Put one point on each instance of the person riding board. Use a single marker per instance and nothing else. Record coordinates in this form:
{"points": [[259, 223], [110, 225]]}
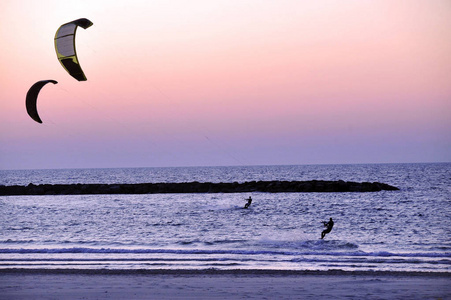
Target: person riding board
{"points": [[329, 226], [249, 201]]}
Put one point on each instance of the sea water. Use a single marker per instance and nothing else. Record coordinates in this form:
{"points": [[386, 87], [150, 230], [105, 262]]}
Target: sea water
{"points": [[406, 230]]}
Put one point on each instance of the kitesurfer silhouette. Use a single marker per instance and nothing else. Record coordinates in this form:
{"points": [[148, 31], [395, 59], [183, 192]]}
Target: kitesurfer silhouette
{"points": [[249, 201], [329, 226]]}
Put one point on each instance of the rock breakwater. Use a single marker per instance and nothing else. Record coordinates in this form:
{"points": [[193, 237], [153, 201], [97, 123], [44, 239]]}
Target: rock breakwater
{"points": [[197, 187]]}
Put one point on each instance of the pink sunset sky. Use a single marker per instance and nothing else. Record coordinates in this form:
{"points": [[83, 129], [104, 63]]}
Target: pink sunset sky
{"points": [[209, 83]]}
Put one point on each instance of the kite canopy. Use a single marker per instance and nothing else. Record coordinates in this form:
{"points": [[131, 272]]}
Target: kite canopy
{"points": [[65, 47], [32, 97]]}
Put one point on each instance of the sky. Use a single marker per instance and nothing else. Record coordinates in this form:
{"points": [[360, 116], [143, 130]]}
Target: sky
{"points": [[218, 83]]}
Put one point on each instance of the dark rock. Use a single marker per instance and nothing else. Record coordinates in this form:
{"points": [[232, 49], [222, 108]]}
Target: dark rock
{"points": [[197, 187]]}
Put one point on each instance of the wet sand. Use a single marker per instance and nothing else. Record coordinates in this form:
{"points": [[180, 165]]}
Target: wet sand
{"points": [[185, 284]]}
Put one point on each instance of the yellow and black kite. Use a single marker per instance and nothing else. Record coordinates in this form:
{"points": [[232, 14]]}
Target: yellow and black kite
{"points": [[65, 47]]}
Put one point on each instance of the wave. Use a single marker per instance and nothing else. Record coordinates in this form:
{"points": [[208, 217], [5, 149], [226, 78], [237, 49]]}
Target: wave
{"points": [[358, 253], [211, 243], [236, 260], [320, 245], [10, 241]]}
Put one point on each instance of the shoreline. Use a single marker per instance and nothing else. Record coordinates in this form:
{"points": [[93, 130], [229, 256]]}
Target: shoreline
{"points": [[213, 272]]}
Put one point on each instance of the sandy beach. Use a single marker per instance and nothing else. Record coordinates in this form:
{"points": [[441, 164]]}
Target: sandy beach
{"points": [[156, 284]]}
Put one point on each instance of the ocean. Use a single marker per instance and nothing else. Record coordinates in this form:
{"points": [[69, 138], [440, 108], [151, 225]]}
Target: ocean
{"points": [[407, 230]]}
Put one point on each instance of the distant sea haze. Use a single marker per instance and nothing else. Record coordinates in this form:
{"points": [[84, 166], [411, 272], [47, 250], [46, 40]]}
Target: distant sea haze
{"points": [[403, 230]]}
